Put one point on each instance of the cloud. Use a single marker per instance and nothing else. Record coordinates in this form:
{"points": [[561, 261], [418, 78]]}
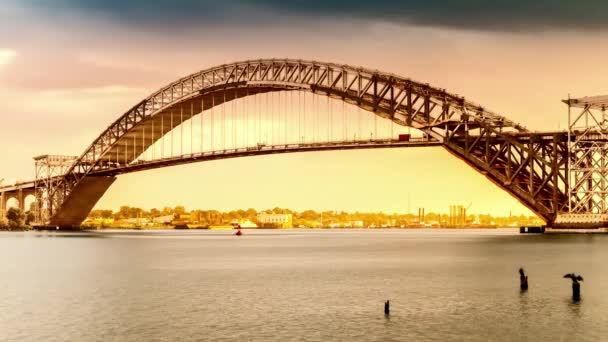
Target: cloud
{"points": [[496, 15], [61, 70], [7, 56], [116, 90]]}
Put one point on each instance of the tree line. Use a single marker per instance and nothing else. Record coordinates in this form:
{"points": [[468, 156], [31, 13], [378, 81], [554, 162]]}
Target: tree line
{"points": [[308, 218], [16, 219]]}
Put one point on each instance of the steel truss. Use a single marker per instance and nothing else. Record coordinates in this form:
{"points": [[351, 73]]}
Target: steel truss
{"points": [[47, 185], [530, 166], [588, 146]]}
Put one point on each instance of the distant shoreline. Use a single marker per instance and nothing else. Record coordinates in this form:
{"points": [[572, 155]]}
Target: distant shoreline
{"points": [[300, 229], [85, 229]]}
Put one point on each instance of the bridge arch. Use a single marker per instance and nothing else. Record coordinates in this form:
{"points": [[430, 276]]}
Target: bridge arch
{"points": [[21, 200], [405, 102], [28, 201], [12, 202], [485, 140]]}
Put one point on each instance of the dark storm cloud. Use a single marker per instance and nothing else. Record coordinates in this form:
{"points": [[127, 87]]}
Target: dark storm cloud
{"points": [[495, 15]]}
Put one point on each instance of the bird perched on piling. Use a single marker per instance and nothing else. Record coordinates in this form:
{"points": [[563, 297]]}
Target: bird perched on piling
{"points": [[576, 286], [523, 280], [575, 278]]}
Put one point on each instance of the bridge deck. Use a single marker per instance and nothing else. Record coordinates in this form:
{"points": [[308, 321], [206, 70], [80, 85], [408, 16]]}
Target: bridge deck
{"points": [[18, 186], [142, 165]]}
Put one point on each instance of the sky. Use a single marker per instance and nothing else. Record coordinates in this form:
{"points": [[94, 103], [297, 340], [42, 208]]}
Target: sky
{"points": [[69, 68]]}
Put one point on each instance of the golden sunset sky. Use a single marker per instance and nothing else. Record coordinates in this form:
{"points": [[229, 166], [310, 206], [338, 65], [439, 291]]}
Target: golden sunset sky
{"points": [[68, 69]]}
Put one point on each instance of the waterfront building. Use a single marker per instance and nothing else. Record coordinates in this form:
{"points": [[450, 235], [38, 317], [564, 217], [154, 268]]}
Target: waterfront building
{"points": [[357, 224], [167, 219], [139, 222], [271, 220]]}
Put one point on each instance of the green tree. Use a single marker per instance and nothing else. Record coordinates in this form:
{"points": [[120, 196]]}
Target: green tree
{"points": [[14, 217], [155, 212], [29, 217], [106, 214]]}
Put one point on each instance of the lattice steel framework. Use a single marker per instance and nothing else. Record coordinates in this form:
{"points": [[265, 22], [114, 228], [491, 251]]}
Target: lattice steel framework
{"points": [[49, 175], [530, 166], [588, 146]]}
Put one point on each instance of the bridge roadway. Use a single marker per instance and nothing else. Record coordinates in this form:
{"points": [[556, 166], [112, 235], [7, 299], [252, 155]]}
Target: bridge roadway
{"points": [[141, 165], [21, 190]]}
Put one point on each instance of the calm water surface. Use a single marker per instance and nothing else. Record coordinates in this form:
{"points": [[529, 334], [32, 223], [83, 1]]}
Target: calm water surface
{"points": [[300, 286]]}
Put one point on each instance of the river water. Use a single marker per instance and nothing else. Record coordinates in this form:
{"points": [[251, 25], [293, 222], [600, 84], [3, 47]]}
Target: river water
{"points": [[297, 285]]}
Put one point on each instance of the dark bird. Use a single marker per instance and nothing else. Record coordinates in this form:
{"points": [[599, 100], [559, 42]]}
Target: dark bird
{"points": [[576, 286], [523, 280], [575, 278]]}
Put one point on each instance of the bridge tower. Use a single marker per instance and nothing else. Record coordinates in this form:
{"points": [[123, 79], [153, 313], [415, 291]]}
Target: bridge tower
{"points": [[50, 170], [587, 164]]}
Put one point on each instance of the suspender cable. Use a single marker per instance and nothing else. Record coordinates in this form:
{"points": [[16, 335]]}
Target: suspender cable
{"points": [[329, 119], [316, 122], [162, 139], [375, 125], [257, 104], [234, 117], [392, 128], [344, 122], [212, 122], [283, 114], [270, 118], [191, 124], [152, 142], [285, 122], [143, 140], [266, 116], [201, 133], [258, 122], [304, 116], [126, 150], [275, 113], [359, 119], [285, 117], [299, 115], [247, 100], [278, 113], [181, 130], [224, 123], [172, 133]]}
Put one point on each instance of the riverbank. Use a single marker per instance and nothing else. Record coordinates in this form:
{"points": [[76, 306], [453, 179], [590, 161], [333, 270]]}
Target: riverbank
{"points": [[18, 229], [298, 228]]}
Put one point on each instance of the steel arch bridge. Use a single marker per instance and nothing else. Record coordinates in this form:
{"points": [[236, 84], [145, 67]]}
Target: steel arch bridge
{"points": [[531, 166]]}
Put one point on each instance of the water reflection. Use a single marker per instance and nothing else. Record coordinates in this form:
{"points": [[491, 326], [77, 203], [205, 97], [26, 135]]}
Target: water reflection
{"points": [[298, 285]]}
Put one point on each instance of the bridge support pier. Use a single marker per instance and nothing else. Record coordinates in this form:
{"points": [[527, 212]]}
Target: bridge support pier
{"points": [[80, 202], [21, 200], [579, 223]]}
